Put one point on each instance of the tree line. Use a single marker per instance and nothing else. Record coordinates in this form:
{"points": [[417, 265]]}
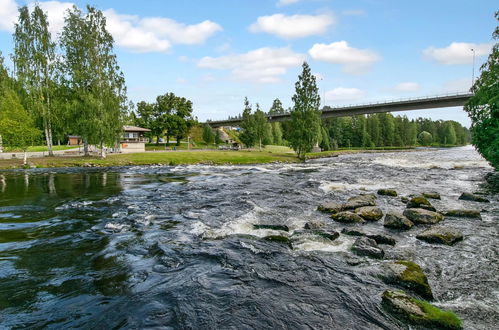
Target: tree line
{"points": [[68, 84]]}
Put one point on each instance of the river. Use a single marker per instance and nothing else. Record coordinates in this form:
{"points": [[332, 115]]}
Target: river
{"points": [[174, 247]]}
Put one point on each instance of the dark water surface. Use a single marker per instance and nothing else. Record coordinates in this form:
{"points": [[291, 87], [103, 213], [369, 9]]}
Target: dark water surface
{"points": [[174, 247]]}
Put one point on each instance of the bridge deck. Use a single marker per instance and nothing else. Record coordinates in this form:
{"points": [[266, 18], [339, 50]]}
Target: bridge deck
{"points": [[442, 101]]}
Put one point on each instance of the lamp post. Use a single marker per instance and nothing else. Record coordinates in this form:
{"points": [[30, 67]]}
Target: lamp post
{"points": [[473, 71]]}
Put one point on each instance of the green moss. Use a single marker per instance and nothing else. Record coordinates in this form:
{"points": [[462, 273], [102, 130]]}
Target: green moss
{"points": [[414, 279], [444, 319]]}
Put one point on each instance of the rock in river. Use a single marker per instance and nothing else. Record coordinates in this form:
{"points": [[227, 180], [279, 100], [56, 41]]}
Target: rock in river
{"points": [[326, 234], [431, 194], [372, 213], [359, 201], [314, 224], [347, 217], [368, 247], [419, 312], [387, 192], [330, 207], [353, 232], [422, 216], [419, 202], [474, 198], [441, 235], [397, 221], [382, 239], [464, 214], [409, 275], [271, 227]]}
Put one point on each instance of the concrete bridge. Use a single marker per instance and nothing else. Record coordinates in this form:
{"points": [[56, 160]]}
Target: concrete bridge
{"points": [[421, 103]]}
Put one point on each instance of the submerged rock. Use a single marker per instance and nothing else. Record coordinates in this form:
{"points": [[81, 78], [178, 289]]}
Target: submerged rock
{"points": [[314, 224], [330, 207], [372, 213], [368, 247], [347, 217], [353, 232], [463, 214], [409, 275], [422, 216], [441, 235], [397, 221], [404, 199], [382, 239], [277, 238], [359, 201], [419, 312], [419, 202], [387, 192], [327, 234], [271, 227], [474, 198], [431, 194]]}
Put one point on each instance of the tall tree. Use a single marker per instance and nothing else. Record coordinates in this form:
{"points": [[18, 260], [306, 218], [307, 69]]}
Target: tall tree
{"points": [[483, 107], [208, 136], [247, 135], [35, 64], [260, 125], [276, 108], [93, 75], [276, 133], [305, 116]]}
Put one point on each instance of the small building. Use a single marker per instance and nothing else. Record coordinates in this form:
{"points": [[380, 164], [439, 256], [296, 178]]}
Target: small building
{"points": [[74, 140], [133, 139]]}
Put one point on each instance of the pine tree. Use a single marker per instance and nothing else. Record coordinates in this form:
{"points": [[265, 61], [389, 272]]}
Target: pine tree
{"points": [[305, 116], [247, 135], [276, 107]]}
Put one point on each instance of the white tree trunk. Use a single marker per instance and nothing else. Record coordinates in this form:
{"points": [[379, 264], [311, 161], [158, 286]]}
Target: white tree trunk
{"points": [[102, 151], [25, 158], [85, 148]]}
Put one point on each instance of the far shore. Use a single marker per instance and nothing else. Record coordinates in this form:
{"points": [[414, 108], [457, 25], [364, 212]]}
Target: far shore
{"points": [[268, 155]]}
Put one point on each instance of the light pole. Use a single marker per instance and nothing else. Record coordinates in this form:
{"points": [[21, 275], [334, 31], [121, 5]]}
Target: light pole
{"points": [[473, 72]]}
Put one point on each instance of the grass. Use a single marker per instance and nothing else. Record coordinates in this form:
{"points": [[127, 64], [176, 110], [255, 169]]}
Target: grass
{"points": [[42, 148]]}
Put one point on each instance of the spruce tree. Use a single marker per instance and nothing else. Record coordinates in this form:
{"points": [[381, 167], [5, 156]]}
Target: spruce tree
{"points": [[247, 135]]}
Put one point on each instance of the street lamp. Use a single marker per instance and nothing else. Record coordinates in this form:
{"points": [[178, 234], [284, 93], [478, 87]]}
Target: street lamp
{"points": [[473, 72]]}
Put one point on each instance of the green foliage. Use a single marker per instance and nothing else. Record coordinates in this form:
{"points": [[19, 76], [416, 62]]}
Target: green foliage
{"points": [[276, 107], [218, 139], [208, 136], [425, 138], [259, 126], [305, 116], [449, 134], [247, 136], [325, 145], [483, 107], [276, 133]]}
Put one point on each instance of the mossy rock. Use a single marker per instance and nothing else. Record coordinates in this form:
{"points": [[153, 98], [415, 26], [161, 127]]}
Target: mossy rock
{"points": [[419, 312], [431, 194], [371, 213], [367, 247], [474, 198], [330, 207], [314, 224], [441, 235], [397, 221], [422, 216], [353, 232], [409, 275], [271, 227], [382, 239], [419, 202], [359, 201], [387, 192], [347, 217], [475, 214]]}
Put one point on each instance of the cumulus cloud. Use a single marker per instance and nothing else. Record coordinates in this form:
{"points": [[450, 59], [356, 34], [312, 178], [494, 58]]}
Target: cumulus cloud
{"points": [[263, 65], [407, 87], [353, 60], [8, 15], [457, 52], [344, 94], [294, 26], [281, 3], [138, 34]]}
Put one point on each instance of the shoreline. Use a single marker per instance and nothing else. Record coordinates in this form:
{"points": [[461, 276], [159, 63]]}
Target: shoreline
{"points": [[201, 157]]}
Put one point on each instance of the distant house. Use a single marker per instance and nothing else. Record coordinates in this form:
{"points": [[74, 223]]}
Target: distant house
{"points": [[133, 139], [74, 140]]}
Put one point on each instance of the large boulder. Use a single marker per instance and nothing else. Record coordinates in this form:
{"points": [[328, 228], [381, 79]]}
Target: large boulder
{"points": [[418, 312], [422, 216], [359, 201], [371, 213], [409, 275], [368, 247], [314, 224], [330, 207], [419, 202], [397, 221], [474, 198], [441, 235], [431, 194], [382, 239], [271, 227], [463, 214], [387, 192], [347, 217]]}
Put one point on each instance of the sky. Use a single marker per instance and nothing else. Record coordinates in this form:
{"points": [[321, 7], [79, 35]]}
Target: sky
{"points": [[217, 52]]}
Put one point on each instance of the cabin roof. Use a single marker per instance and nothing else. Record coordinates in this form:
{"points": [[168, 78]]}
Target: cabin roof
{"points": [[135, 129]]}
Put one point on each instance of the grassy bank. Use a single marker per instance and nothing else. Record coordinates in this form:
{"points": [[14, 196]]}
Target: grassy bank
{"points": [[41, 148], [270, 154]]}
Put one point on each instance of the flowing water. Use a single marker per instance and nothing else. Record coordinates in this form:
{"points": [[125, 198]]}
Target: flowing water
{"points": [[174, 247]]}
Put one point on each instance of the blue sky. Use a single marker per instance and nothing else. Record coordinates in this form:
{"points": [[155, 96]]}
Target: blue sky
{"points": [[217, 52]]}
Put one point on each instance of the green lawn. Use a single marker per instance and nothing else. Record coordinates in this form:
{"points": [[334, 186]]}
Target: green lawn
{"points": [[41, 148]]}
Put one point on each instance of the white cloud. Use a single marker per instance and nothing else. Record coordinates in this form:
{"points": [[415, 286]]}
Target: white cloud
{"points": [[263, 65], [295, 26], [55, 11], [281, 3], [353, 60], [8, 15], [344, 94], [457, 52], [407, 87]]}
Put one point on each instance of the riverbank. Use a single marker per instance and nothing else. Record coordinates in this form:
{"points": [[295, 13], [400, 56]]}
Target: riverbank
{"points": [[212, 157]]}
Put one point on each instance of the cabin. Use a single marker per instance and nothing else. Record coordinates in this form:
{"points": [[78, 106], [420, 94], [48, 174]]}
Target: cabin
{"points": [[133, 139], [75, 140]]}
